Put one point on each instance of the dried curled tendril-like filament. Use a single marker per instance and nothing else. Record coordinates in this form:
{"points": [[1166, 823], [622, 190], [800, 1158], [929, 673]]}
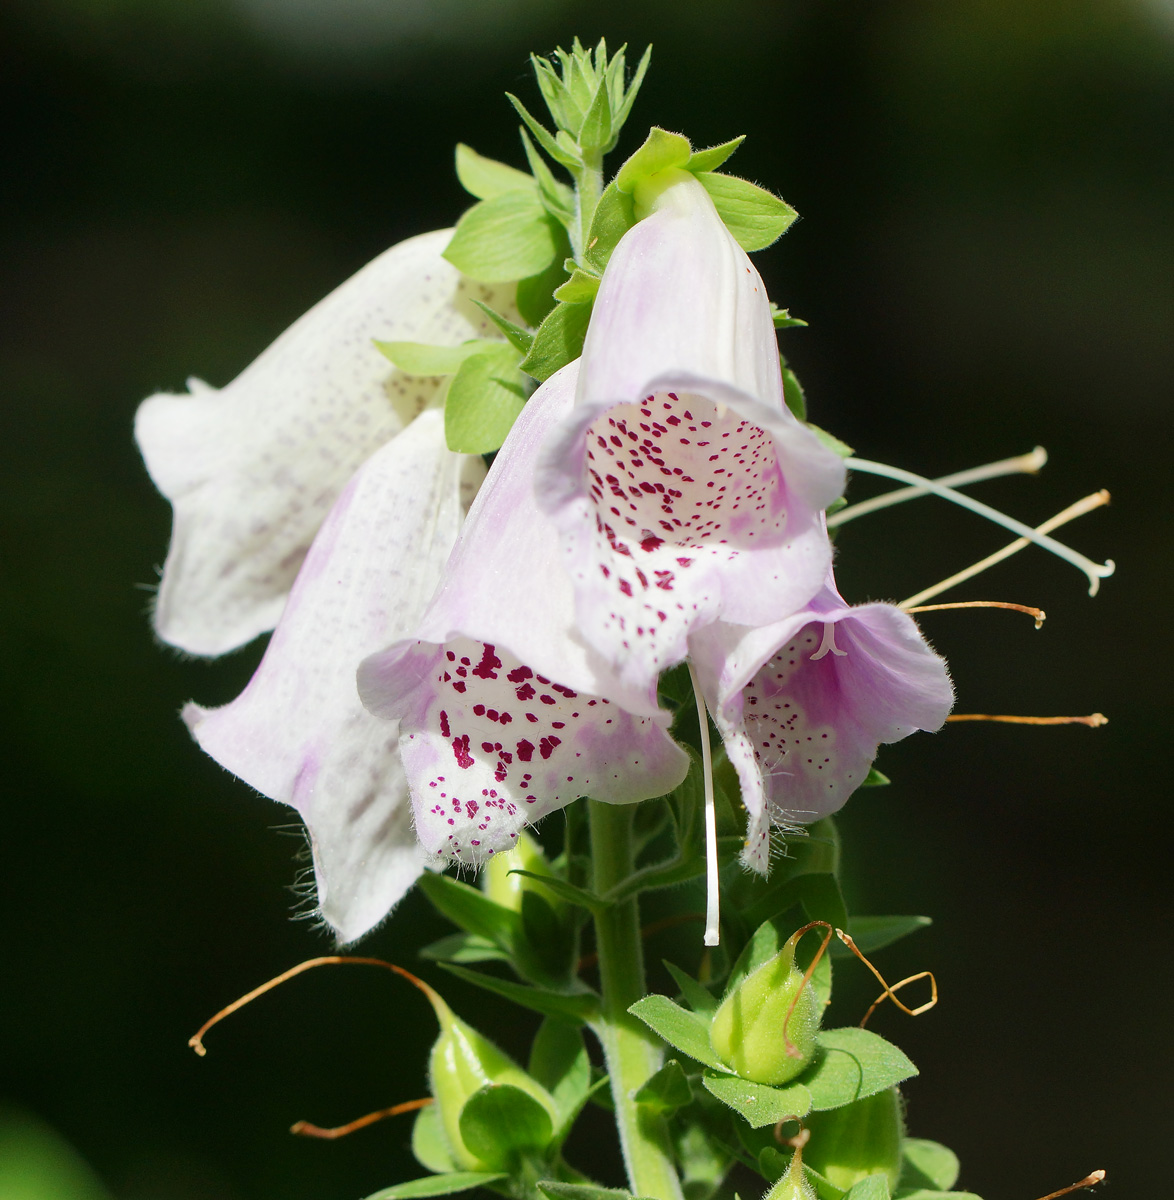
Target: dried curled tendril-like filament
{"points": [[793, 1051], [1090, 1180], [890, 992], [306, 1128]]}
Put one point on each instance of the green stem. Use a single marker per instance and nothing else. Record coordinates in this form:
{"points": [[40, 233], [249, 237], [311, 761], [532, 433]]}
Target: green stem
{"points": [[632, 1053], [588, 189]]}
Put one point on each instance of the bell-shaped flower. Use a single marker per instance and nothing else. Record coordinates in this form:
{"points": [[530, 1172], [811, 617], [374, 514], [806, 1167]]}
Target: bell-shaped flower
{"points": [[684, 490], [252, 469], [298, 732], [802, 704], [504, 712]]}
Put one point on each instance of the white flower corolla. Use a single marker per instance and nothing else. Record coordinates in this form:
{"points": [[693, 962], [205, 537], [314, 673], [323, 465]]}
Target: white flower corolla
{"points": [[253, 468]]}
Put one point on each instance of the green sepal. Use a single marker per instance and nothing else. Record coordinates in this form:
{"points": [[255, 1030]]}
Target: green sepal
{"points": [[874, 933], [558, 1061], [832, 442], [510, 236], [699, 998], [484, 399], [927, 1165], [464, 948], [682, 1029], [521, 339], [661, 150], [782, 318], [793, 395], [572, 1006], [429, 1143], [855, 1063], [614, 215], [757, 218], [543, 136], [420, 358], [559, 340], [501, 1123], [471, 909], [565, 891], [758, 1103], [580, 288], [711, 159], [581, 1191], [773, 1164], [875, 1187], [438, 1185], [875, 778], [667, 1090], [486, 177]]}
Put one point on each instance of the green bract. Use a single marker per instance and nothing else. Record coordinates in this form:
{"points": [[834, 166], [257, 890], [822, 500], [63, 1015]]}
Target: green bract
{"points": [[850, 1143]]}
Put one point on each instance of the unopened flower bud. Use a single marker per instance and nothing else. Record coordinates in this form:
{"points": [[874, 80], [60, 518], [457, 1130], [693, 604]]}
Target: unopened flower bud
{"points": [[860, 1139], [756, 1033], [506, 889]]}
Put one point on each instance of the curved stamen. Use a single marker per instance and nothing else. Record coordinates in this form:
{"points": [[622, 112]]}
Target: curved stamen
{"points": [[1094, 571]]}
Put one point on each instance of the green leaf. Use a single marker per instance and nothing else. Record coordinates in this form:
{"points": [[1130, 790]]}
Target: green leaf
{"points": [[500, 1123], [614, 216], [419, 358], [928, 1165], [699, 998], [711, 159], [758, 1103], [535, 296], [581, 286], [486, 177], [875, 1187], [484, 399], [574, 1006], [874, 933], [630, 95], [831, 441], [595, 132], [875, 778], [437, 1185], [755, 217], [667, 1090], [783, 319], [471, 909], [565, 891], [822, 901], [429, 1143], [464, 948], [521, 339], [793, 394], [558, 152], [559, 340], [557, 197], [580, 1191], [660, 151], [855, 1063], [558, 1061], [680, 1028], [511, 236]]}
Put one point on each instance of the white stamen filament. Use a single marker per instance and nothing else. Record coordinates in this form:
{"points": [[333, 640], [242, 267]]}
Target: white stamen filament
{"points": [[1020, 464], [712, 898], [1069, 514], [1095, 571], [828, 643]]}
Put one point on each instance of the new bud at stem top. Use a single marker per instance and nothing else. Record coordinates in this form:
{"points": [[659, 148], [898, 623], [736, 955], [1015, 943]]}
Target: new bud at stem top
{"points": [[751, 1031]]}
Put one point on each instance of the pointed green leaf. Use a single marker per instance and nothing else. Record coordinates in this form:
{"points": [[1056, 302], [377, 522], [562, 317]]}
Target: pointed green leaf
{"points": [[565, 891], [500, 1123], [573, 1006], [595, 132], [557, 197], [667, 1090], [822, 901], [793, 394], [543, 136], [686, 1031], [581, 287], [429, 1143], [661, 150], [875, 778], [758, 1103], [471, 909], [855, 1063], [521, 339], [928, 1165], [711, 159], [486, 177], [614, 216], [875, 1187], [419, 358], [753, 215], [632, 90], [484, 399], [699, 998], [437, 1185], [558, 1061], [874, 933], [832, 442], [510, 236], [558, 99], [559, 340], [464, 948], [783, 319]]}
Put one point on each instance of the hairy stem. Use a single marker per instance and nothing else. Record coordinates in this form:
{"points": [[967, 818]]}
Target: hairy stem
{"points": [[588, 189], [631, 1051]]}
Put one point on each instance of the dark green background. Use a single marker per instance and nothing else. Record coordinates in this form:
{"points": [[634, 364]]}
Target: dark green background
{"points": [[987, 189]]}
